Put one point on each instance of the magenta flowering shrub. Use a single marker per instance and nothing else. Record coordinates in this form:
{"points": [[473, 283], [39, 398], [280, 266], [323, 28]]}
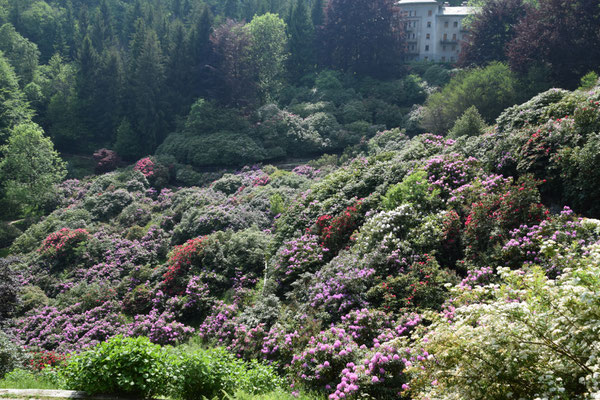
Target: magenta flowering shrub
{"points": [[160, 327], [320, 364], [296, 257], [146, 166]]}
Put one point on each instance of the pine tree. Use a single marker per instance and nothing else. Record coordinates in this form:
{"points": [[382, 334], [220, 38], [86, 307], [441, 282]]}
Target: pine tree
{"points": [[363, 36], [301, 35], [318, 13], [232, 9]]}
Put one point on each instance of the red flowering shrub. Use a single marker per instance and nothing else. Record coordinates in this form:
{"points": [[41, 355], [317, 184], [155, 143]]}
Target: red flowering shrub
{"points": [[495, 214], [64, 246], [183, 258], [335, 232], [41, 359]]}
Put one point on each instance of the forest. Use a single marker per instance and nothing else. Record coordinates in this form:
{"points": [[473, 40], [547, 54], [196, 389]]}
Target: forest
{"points": [[267, 199]]}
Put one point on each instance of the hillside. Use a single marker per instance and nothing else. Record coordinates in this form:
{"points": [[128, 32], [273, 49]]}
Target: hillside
{"points": [[424, 267]]}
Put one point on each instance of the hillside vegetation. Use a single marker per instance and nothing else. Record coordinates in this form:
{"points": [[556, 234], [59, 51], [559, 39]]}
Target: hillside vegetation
{"points": [[425, 267]]}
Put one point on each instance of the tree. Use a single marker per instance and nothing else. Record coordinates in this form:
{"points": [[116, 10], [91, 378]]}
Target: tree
{"points": [[231, 45], [22, 54], [268, 53], [490, 90], [146, 91], [490, 32], [29, 168], [560, 34], [317, 13], [301, 35], [363, 36], [13, 107], [232, 9]]}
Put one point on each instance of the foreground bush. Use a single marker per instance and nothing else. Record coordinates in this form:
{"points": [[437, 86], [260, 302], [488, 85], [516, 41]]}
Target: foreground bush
{"points": [[121, 366], [532, 336], [210, 373]]}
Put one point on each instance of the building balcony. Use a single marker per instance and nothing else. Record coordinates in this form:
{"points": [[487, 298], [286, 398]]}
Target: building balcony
{"points": [[449, 41]]}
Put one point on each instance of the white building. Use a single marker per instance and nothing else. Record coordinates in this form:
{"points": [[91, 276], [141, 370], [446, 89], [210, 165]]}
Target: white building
{"points": [[434, 31]]}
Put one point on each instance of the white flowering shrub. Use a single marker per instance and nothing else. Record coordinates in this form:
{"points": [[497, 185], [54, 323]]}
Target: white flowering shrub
{"points": [[529, 337]]}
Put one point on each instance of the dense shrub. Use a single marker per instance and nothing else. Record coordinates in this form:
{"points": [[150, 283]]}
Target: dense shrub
{"points": [[545, 328], [11, 355], [121, 366], [212, 373]]}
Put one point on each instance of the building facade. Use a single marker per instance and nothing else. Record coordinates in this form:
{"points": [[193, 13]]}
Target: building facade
{"points": [[434, 31]]}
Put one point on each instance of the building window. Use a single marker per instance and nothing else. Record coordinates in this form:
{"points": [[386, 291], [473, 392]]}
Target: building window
{"points": [[414, 35], [444, 47], [452, 59], [446, 24], [453, 47], [427, 48], [429, 13], [428, 36], [429, 24], [445, 36], [426, 58], [443, 59], [454, 36], [456, 24]]}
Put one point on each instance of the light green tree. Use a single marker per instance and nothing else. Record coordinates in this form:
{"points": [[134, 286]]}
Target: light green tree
{"points": [[13, 107], [268, 53], [29, 168]]}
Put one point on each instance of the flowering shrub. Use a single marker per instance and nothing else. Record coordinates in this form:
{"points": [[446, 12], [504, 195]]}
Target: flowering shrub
{"points": [[495, 214], [336, 231], [296, 257], [145, 166], [322, 361], [545, 328], [181, 261], [65, 246], [42, 359]]}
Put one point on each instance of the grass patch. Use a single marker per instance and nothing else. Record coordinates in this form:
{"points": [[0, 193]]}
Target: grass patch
{"points": [[22, 379], [276, 395]]}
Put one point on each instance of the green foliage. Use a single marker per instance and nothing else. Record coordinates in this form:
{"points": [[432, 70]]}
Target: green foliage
{"points": [[121, 366], [588, 81], [25, 379], [223, 148], [13, 108], [414, 189], [29, 168], [268, 53], [22, 53], [469, 124], [490, 90], [215, 371], [11, 356]]}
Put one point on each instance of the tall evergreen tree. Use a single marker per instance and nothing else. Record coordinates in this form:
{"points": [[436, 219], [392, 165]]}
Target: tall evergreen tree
{"points": [[363, 36], [146, 85], [232, 9], [318, 13], [301, 42]]}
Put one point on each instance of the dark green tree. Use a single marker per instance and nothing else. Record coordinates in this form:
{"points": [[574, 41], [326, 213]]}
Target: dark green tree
{"points": [[363, 36], [232, 9], [301, 41], [318, 13], [146, 87]]}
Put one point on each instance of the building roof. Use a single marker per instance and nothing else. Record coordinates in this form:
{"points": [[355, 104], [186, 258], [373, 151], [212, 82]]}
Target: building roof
{"points": [[403, 2], [458, 10]]}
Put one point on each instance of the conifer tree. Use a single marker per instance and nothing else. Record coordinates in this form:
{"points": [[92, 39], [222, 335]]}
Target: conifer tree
{"points": [[301, 35]]}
